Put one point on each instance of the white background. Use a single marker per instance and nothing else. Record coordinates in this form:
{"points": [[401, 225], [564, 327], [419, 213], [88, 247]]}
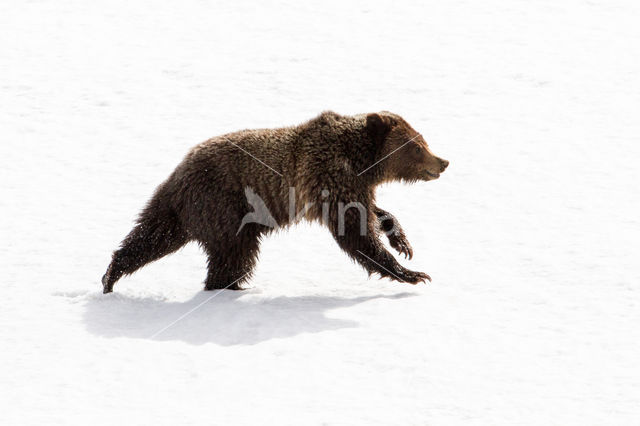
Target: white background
{"points": [[531, 236]]}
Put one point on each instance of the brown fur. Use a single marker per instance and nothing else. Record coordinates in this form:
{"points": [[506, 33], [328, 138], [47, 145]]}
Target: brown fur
{"points": [[204, 199]]}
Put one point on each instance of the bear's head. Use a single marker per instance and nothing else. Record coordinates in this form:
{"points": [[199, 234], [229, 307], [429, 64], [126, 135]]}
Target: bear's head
{"points": [[403, 153]]}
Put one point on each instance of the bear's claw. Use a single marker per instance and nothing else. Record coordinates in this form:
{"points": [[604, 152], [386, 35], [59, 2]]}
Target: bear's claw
{"points": [[399, 242], [414, 277], [404, 275]]}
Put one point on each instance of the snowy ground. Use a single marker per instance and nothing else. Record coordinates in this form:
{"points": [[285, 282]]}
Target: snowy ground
{"points": [[531, 236]]}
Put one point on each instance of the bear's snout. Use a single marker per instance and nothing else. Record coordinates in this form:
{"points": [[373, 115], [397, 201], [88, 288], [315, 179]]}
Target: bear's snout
{"points": [[443, 164]]}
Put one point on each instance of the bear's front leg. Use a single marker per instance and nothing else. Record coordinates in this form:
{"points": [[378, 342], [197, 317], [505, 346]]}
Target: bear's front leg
{"points": [[392, 229], [366, 249]]}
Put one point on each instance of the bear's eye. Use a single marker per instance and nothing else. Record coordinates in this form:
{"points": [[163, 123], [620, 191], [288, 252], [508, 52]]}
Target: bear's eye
{"points": [[417, 149]]}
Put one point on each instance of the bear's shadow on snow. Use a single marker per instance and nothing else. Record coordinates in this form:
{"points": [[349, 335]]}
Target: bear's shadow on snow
{"points": [[222, 317]]}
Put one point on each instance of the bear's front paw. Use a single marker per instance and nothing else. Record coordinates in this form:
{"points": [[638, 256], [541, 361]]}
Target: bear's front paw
{"points": [[413, 277], [399, 242]]}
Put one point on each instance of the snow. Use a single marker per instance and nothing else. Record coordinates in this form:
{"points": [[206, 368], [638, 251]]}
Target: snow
{"points": [[531, 236]]}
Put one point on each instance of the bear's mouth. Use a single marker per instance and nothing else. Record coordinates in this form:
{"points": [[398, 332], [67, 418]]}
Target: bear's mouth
{"points": [[433, 175]]}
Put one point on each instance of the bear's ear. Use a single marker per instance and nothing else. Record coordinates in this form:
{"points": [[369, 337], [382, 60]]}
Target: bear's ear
{"points": [[379, 126], [328, 117]]}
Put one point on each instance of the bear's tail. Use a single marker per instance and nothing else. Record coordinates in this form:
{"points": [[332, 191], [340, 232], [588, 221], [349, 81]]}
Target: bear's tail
{"points": [[157, 233]]}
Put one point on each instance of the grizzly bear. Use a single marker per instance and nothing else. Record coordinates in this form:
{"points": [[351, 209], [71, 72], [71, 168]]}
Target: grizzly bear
{"points": [[233, 189]]}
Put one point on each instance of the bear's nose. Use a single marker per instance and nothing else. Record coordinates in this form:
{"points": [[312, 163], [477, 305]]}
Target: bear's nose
{"points": [[443, 165]]}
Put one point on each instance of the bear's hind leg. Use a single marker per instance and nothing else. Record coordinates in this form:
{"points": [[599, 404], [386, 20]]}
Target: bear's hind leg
{"points": [[157, 234], [232, 262]]}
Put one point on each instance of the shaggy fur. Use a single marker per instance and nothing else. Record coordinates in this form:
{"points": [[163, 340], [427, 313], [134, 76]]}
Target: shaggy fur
{"points": [[331, 160]]}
